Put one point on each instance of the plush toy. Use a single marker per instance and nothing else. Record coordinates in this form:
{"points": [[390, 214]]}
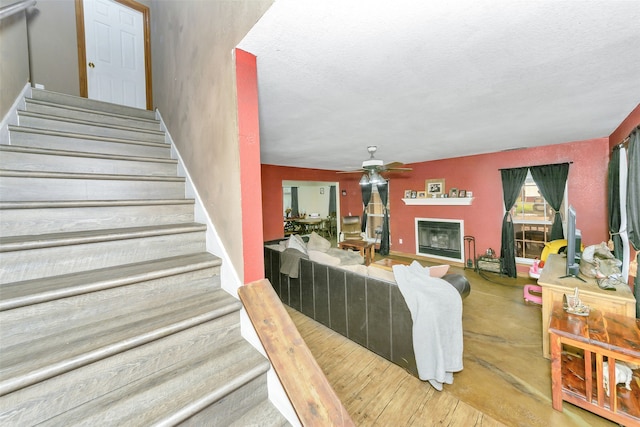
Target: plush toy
{"points": [[598, 262], [623, 375]]}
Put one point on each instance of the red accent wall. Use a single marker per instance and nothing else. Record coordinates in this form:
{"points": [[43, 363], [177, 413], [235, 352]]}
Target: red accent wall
{"points": [[625, 128], [249, 142], [480, 174]]}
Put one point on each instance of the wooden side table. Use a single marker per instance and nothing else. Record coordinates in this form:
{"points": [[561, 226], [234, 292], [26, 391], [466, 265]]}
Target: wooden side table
{"points": [[621, 301], [365, 248], [609, 336]]}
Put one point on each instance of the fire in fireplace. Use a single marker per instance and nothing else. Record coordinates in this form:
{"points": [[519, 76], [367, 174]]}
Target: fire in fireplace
{"points": [[440, 238]]}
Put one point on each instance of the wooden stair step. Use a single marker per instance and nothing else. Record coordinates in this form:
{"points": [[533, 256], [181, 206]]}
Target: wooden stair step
{"points": [[46, 138], [44, 400], [22, 243], [51, 160], [33, 185], [90, 104], [37, 291], [89, 343], [32, 257], [45, 217], [69, 111], [103, 304], [263, 414], [175, 394], [43, 121]]}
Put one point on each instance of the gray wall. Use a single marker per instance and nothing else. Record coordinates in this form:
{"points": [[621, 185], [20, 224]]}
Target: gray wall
{"points": [[53, 45], [14, 61], [194, 89]]}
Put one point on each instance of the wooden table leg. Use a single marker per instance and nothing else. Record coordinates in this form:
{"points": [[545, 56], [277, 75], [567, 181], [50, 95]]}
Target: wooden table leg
{"points": [[556, 371]]}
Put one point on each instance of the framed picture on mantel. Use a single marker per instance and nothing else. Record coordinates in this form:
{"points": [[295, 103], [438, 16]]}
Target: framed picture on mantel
{"points": [[434, 187]]}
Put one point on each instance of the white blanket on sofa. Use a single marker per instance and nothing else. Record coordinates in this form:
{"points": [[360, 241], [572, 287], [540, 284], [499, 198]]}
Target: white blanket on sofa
{"points": [[436, 311]]}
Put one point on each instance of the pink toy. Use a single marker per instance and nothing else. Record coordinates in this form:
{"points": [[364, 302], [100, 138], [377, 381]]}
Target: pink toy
{"points": [[528, 296]]}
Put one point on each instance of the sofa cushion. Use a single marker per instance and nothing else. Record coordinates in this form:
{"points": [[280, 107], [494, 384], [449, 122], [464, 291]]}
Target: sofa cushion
{"points": [[296, 242], [323, 258], [318, 243], [381, 273]]}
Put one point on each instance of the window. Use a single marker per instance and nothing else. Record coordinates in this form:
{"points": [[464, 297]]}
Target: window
{"points": [[532, 221], [375, 214]]}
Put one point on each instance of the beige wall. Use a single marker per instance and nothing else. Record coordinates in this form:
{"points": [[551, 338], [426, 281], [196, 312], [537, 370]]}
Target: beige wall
{"points": [[53, 42], [194, 89], [14, 60]]}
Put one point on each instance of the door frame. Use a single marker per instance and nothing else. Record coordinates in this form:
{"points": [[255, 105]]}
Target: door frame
{"points": [[82, 49]]}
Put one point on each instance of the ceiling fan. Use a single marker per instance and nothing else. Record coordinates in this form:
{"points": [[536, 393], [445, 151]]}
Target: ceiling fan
{"points": [[372, 168]]}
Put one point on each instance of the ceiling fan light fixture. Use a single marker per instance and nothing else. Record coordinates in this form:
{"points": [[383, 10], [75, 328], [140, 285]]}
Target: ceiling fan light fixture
{"points": [[364, 180], [375, 178]]}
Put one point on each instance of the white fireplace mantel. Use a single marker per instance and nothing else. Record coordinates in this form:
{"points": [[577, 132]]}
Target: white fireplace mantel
{"points": [[433, 201]]}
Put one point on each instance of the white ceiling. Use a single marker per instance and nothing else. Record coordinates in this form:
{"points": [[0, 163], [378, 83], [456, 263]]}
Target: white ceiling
{"points": [[427, 80]]}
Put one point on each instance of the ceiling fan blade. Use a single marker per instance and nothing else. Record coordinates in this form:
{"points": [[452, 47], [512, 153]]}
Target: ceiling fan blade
{"points": [[393, 165], [398, 170], [354, 171]]}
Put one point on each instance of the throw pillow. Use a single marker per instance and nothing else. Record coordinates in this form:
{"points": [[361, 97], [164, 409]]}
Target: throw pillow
{"points": [[318, 243], [438, 270], [296, 242]]}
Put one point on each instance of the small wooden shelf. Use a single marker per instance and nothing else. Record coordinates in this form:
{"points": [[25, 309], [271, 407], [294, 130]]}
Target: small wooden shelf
{"points": [[439, 201]]}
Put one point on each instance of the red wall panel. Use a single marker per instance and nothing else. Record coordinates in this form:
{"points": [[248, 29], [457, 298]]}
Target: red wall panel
{"points": [[249, 144]]}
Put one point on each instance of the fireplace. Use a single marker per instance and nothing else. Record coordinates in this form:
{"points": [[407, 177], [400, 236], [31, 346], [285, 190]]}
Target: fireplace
{"points": [[440, 238]]}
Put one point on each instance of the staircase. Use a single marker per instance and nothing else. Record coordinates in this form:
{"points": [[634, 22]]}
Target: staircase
{"points": [[111, 310]]}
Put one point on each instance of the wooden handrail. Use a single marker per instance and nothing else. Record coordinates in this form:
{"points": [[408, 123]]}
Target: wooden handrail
{"points": [[311, 395], [14, 8]]}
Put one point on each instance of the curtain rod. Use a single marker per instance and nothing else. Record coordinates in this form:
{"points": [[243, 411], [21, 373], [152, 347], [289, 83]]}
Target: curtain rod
{"points": [[533, 166], [626, 140]]}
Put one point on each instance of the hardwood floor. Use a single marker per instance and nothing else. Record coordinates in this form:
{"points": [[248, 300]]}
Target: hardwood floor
{"points": [[505, 380]]}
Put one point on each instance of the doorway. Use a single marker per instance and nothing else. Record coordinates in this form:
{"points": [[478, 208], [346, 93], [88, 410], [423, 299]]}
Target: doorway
{"points": [[313, 199], [114, 52]]}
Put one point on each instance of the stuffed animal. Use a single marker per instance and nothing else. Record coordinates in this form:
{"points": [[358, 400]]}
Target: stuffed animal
{"points": [[597, 261], [623, 375]]}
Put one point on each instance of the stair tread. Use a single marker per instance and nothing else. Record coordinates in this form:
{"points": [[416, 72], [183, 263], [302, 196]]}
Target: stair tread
{"points": [[263, 414], [163, 399], [89, 110], [23, 113], [87, 343], [66, 134], [91, 203], [35, 291], [68, 153], [74, 175], [66, 99], [16, 243]]}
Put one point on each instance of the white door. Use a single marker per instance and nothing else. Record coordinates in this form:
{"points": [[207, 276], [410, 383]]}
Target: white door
{"points": [[114, 40]]}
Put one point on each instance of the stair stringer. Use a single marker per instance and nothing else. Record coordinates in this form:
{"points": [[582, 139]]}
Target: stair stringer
{"points": [[230, 280], [11, 118]]}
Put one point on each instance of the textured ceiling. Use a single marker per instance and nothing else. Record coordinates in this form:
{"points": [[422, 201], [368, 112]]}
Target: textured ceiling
{"points": [[427, 80]]}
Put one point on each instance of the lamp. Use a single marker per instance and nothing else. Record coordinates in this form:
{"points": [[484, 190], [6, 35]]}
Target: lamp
{"points": [[371, 177], [375, 178]]}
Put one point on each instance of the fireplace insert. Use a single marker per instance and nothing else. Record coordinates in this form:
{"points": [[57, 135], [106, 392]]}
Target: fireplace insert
{"points": [[440, 238]]}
